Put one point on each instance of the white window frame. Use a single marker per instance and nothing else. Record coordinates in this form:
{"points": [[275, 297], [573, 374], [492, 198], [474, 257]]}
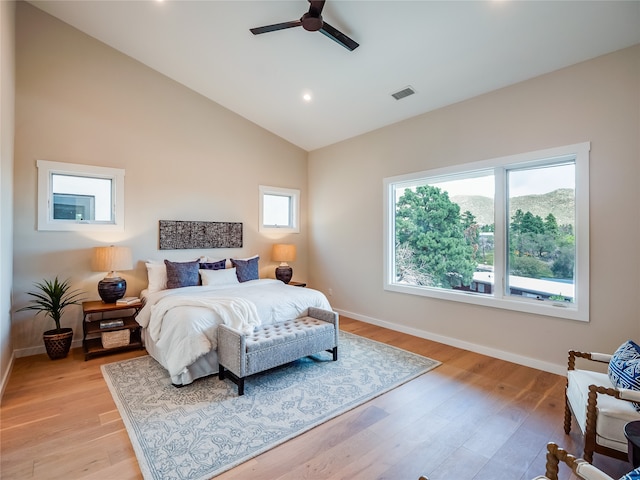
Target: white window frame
{"points": [[577, 310], [294, 215], [46, 170]]}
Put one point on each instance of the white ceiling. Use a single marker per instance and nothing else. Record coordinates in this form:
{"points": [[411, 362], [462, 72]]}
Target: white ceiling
{"points": [[447, 51]]}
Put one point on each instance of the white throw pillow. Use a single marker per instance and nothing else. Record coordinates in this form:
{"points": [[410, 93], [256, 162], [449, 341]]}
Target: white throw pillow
{"points": [[219, 277], [157, 273]]}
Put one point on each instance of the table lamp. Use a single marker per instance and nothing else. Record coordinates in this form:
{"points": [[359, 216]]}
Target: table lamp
{"points": [[111, 259], [284, 253]]}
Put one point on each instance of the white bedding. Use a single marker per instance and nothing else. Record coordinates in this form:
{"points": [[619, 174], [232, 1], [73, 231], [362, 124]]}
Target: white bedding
{"points": [[182, 322]]}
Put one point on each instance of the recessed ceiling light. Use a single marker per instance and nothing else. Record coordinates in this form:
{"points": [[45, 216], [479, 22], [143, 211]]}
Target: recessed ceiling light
{"points": [[306, 97]]}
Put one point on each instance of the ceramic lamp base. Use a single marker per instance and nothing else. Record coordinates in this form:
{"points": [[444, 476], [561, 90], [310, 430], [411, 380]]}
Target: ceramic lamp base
{"points": [[284, 274], [112, 289]]}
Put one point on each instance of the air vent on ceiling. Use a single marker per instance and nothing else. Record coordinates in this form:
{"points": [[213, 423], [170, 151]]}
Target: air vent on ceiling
{"points": [[405, 92]]}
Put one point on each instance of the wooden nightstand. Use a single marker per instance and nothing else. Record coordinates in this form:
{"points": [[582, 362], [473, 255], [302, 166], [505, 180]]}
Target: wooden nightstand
{"points": [[92, 333]]}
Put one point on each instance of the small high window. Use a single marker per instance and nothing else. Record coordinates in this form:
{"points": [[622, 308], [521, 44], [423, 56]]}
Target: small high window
{"points": [[75, 197], [279, 210]]}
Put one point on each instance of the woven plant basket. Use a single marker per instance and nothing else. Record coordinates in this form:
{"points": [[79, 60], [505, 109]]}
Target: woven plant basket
{"points": [[58, 342]]}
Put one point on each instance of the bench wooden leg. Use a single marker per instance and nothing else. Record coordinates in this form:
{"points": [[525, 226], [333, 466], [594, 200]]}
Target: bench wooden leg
{"points": [[334, 352], [238, 381], [240, 387]]}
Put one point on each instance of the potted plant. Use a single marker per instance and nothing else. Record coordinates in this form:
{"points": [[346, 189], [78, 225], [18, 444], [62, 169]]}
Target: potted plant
{"points": [[52, 298]]}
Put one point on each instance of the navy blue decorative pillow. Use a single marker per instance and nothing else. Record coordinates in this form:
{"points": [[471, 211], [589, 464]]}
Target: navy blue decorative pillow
{"points": [[624, 368], [632, 475], [246, 269], [182, 274], [219, 265]]}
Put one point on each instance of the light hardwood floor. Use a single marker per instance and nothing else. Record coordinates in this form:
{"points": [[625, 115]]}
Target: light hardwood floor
{"points": [[472, 418]]}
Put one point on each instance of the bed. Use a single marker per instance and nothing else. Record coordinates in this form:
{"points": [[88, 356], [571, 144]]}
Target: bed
{"points": [[179, 325]]}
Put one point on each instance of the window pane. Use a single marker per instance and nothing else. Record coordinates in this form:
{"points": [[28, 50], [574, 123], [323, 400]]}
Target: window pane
{"points": [[81, 198], [444, 233], [441, 240], [277, 210], [75, 197], [542, 253]]}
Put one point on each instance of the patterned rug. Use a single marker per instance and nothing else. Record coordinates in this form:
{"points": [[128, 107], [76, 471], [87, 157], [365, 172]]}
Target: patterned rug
{"points": [[201, 430]]}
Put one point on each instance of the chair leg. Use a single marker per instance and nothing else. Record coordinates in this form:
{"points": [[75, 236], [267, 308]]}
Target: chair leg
{"points": [[590, 425], [553, 461], [567, 414]]}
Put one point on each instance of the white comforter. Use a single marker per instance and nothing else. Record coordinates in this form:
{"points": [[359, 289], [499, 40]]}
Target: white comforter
{"points": [[183, 321]]}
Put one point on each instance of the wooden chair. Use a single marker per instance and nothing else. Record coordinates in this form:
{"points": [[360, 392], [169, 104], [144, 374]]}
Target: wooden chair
{"points": [[581, 468], [600, 410]]}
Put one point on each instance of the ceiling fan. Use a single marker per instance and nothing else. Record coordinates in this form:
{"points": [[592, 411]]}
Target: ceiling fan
{"points": [[312, 22]]}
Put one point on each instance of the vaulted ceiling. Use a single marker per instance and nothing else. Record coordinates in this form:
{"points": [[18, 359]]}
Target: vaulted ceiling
{"points": [[447, 51]]}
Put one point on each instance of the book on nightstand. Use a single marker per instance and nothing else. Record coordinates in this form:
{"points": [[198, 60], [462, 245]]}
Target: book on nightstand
{"points": [[127, 300], [111, 323]]}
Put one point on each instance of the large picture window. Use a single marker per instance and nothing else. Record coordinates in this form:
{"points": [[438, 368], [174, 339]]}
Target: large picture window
{"points": [[511, 232]]}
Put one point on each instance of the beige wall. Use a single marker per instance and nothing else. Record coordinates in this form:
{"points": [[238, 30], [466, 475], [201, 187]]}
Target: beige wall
{"points": [[7, 91], [596, 101], [186, 158]]}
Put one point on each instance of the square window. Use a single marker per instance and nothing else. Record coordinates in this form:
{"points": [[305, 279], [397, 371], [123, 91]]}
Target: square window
{"points": [[279, 210]]}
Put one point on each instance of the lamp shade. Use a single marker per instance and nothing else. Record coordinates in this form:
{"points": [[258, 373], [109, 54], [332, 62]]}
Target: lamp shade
{"points": [[283, 252], [111, 259]]}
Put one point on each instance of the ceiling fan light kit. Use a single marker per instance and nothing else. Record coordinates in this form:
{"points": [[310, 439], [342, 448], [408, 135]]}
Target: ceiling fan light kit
{"points": [[312, 22]]}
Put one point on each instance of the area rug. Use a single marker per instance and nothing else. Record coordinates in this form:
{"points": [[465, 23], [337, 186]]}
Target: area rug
{"points": [[201, 430]]}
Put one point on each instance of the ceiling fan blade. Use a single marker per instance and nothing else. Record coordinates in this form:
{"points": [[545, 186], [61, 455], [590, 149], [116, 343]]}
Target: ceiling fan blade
{"points": [[275, 27], [339, 37], [316, 7]]}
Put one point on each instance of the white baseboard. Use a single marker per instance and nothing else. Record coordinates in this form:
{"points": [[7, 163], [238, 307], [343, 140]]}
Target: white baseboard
{"points": [[26, 352], [454, 342], [7, 375]]}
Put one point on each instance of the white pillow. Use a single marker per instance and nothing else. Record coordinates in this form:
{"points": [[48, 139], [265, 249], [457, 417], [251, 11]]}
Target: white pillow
{"points": [[219, 277], [248, 258], [157, 273]]}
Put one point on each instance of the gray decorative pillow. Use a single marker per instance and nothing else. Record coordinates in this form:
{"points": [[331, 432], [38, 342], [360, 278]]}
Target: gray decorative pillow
{"points": [[182, 274], [246, 269]]}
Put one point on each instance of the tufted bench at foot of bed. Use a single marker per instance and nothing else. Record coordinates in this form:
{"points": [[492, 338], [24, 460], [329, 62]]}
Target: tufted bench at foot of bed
{"points": [[270, 346]]}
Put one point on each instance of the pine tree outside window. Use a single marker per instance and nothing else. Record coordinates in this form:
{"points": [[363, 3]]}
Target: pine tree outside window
{"points": [[510, 233]]}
